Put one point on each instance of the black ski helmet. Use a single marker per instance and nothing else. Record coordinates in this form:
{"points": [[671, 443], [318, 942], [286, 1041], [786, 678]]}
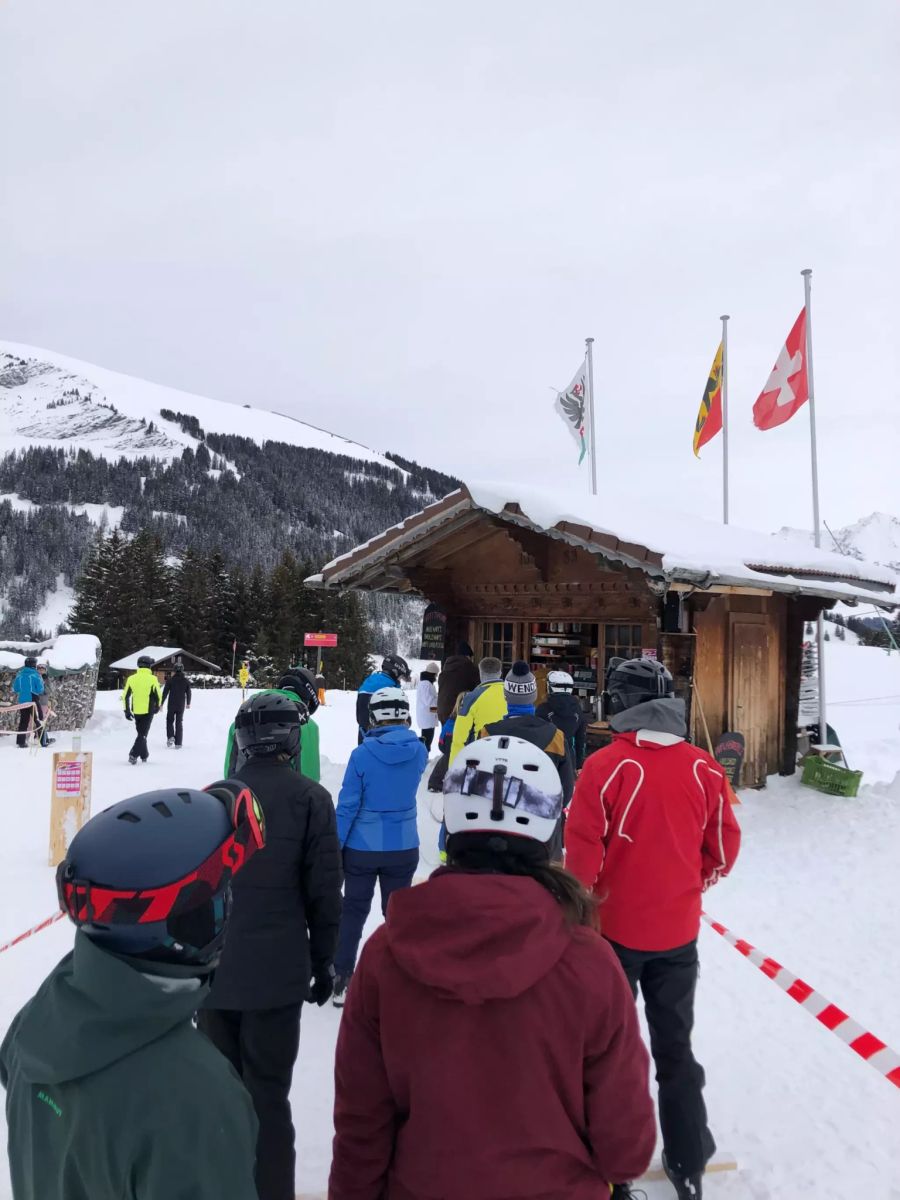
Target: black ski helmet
{"points": [[631, 681], [30, 661], [150, 877], [268, 724], [302, 683], [396, 667], [145, 661]]}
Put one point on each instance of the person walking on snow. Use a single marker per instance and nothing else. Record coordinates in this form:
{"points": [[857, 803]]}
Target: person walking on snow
{"points": [[141, 700], [243, 678], [650, 828], [490, 1045], [426, 704], [562, 707], [281, 939], [111, 1091], [394, 672], [376, 818], [177, 694], [520, 692], [485, 704], [28, 686]]}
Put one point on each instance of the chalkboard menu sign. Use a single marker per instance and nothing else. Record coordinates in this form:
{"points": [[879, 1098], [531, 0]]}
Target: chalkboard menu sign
{"points": [[434, 632]]}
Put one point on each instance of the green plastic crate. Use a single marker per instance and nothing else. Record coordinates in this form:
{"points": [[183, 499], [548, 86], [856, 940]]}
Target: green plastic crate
{"points": [[829, 778]]}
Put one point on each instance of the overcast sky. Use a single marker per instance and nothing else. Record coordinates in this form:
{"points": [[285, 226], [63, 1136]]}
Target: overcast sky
{"points": [[401, 219]]}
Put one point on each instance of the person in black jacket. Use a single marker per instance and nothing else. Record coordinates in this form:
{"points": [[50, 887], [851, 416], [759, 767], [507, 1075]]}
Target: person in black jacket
{"points": [[563, 708], [177, 697], [520, 691], [458, 674], [283, 931]]}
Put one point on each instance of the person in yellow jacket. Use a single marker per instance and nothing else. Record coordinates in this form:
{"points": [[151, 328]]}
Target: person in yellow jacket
{"points": [[243, 678], [482, 705], [141, 699]]}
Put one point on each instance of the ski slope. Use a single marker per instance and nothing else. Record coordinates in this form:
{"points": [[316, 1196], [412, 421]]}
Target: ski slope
{"points": [[815, 887], [38, 408]]}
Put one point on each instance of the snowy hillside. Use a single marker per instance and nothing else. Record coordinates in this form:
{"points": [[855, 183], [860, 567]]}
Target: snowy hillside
{"points": [[49, 399], [875, 538]]}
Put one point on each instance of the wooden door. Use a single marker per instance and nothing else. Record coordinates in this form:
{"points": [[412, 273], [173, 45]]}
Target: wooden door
{"points": [[749, 692]]}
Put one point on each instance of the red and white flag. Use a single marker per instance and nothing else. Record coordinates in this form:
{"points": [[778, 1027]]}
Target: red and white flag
{"points": [[788, 385]]}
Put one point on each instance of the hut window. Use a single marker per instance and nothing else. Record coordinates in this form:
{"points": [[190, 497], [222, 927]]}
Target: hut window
{"points": [[621, 641], [498, 640]]}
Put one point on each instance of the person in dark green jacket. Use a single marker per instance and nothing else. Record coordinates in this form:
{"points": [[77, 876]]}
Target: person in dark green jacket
{"points": [[297, 684], [111, 1091]]}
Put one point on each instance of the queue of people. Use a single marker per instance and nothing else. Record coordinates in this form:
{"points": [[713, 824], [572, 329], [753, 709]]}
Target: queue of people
{"points": [[446, 1065]]}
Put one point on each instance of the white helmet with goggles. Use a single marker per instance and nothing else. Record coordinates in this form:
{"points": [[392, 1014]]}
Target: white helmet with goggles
{"points": [[503, 785]]}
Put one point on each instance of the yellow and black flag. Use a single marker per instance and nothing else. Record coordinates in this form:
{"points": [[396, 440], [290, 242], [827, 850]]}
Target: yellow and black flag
{"points": [[709, 418]]}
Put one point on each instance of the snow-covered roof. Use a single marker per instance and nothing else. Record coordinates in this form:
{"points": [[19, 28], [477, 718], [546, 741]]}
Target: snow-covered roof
{"points": [[158, 654], [69, 652], [661, 542]]}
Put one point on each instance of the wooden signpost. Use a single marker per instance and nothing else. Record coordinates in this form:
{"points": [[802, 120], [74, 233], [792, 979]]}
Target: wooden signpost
{"points": [[70, 802]]}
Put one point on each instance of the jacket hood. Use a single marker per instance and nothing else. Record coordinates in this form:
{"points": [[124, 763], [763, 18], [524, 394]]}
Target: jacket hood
{"points": [[94, 1010], [661, 716], [393, 745], [474, 937]]}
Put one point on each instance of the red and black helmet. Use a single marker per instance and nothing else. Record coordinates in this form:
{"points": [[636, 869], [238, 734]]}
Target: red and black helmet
{"points": [[151, 876]]}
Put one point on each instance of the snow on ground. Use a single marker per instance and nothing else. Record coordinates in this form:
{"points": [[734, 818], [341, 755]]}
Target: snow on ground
{"points": [[815, 888], [863, 694], [55, 610]]}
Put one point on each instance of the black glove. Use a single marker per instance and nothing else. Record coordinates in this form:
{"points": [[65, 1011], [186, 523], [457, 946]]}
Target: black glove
{"points": [[321, 986], [128, 716]]}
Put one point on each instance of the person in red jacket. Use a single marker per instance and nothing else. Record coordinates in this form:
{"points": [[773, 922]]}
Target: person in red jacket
{"points": [[649, 829], [489, 1046]]}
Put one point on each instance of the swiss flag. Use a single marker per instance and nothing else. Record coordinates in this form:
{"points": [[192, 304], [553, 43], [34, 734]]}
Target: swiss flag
{"points": [[788, 385]]}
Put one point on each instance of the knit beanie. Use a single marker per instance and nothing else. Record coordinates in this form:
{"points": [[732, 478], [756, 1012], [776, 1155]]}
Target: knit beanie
{"points": [[520, 686]]}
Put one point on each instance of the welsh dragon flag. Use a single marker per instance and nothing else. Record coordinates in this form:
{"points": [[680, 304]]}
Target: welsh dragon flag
{"points": [[572, 407]]}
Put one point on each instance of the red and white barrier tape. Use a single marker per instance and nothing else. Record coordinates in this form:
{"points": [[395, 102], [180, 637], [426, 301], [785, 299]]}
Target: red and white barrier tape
{"points": [[875, 1052], [34, 929]]}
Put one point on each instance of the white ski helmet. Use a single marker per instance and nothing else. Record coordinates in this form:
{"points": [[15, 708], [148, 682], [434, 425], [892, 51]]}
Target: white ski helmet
{"points": [[503, 785], [388, 704], [560, 681]]}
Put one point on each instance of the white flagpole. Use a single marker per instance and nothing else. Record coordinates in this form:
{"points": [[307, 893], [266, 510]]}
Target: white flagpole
{"points": [[725, 320], [589, 343], [817, 528]]}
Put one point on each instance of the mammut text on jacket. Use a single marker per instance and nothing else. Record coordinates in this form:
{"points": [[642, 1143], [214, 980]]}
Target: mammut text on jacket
{"points": [[377, 805], [650, 828], [487, 703], [112, 1092], [142, 693]]}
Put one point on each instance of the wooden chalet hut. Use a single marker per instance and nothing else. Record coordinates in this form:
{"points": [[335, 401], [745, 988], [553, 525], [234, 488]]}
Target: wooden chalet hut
{"points": [[573, 581], [165, 659]]}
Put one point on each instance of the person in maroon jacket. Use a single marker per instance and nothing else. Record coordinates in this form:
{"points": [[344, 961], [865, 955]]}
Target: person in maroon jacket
{"points": [[649, 829], [489, 1047]]}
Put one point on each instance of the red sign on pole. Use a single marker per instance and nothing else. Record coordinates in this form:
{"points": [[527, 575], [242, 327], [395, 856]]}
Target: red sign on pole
{"points": [[320, 639]]}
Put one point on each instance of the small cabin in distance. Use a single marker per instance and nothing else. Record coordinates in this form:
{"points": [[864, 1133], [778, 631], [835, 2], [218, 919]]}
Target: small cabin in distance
{"points": [[574, 581], [165, 659]]}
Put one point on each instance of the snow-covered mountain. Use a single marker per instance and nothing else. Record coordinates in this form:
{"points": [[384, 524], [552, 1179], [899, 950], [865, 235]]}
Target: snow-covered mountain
{"points": [[875, 538], [50, 399]]}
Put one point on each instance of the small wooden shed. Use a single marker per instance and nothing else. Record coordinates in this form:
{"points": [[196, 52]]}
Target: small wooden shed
{"points": [[164, 660], [573, 581]]}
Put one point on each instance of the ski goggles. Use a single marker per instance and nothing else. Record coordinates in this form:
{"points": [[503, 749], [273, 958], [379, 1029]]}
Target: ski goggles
{"points": [[504, 791], [88, 903]]}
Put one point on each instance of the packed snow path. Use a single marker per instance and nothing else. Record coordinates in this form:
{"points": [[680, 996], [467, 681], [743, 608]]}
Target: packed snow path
{"points": [[814, 887]]}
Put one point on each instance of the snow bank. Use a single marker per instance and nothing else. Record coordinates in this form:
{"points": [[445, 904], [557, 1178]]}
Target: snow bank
{"points": [[72, 652]]}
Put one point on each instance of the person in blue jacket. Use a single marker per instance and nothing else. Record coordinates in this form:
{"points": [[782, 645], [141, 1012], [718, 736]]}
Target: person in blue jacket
{"points": [[394, 671], [376, 821], [27, 685]]}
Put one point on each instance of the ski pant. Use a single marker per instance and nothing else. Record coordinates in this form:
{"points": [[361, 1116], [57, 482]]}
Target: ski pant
{"points": [[438, 771], [142, 725], [668, 981], [174, 724], [427, 736], [261, 1045], [390, 869], [25, 716]]}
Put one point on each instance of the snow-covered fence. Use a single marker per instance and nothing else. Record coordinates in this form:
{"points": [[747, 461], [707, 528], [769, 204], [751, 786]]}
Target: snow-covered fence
{"points": [[72, 660]]}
